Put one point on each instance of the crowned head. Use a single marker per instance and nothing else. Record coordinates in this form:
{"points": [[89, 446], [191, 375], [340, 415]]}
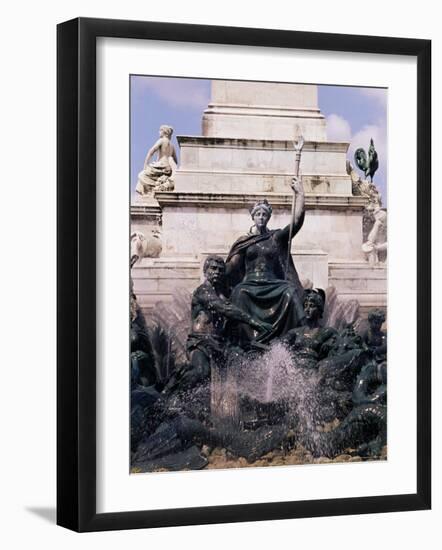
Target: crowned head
{"points": [[261, 213]]}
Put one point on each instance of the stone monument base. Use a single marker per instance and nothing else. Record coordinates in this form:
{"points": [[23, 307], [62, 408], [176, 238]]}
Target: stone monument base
{"points": [[360, 281], [145, 214], [157, 279]]}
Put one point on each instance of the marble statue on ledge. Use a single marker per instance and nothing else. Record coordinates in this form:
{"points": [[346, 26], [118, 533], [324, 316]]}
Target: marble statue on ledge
{"points": [[363, 188], [375, 246], [142, 246], [159, 175]]}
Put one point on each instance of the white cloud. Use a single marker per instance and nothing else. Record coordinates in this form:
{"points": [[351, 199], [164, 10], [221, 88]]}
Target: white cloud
{"points": [[379, 95], [178, 92], [338, 129]]}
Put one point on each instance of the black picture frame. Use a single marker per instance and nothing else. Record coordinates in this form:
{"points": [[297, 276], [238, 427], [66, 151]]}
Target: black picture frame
{"points": [[76, 274]]}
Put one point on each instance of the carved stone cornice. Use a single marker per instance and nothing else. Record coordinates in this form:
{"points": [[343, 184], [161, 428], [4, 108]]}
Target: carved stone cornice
{"points": [[241, 201]]}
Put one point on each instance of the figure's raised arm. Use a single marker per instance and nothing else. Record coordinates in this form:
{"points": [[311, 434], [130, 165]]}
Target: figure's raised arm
{"points": [[299, 212]]}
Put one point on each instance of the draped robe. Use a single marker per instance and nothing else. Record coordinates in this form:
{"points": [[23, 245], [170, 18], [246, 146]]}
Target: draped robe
{"points": [[269, 296]]}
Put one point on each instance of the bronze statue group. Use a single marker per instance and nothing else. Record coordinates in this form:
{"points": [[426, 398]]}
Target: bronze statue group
{"points": [[247, 305]]}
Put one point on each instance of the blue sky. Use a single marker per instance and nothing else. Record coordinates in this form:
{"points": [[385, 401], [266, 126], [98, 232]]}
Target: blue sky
{"points": [[353, 114]]}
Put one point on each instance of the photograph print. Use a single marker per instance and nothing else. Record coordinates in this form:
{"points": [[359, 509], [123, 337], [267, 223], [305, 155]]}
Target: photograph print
{"points": [[258, 274]]}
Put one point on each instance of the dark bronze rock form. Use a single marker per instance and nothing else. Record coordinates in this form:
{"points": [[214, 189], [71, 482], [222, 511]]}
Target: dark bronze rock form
{"points": [[365, 427], [143, 377], [143, 417], [253, 444], [367, 163], [187, 459], [375, 338], [371, 385], [143, 369]]}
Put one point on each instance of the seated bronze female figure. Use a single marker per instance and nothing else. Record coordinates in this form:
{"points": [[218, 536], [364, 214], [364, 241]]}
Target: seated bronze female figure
{"points": [[262, 274]]}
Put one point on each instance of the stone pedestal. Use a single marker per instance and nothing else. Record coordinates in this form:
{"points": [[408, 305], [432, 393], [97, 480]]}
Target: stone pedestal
{"points": [[264, 111], [157, 279], [226, 165], [193, 222], [360, 281], [145, 214]]}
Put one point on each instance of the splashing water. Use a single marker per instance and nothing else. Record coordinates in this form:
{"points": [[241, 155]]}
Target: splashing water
{"points": [[274, 379], [339, 312], [266, 380], [224, 398], [269, 389]]}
